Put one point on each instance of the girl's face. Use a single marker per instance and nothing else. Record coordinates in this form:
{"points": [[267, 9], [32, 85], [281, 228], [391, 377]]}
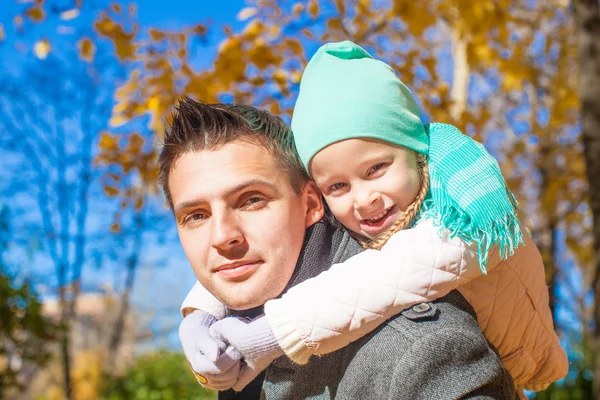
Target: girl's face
{"points": [[366, 182]]}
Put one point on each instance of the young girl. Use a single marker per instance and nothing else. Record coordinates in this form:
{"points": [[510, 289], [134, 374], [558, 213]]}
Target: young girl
{"points": [[434, 205]]}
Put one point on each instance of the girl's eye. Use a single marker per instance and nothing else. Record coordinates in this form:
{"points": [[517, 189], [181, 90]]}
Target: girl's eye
{"points": [[375, 168], [336, 186]]}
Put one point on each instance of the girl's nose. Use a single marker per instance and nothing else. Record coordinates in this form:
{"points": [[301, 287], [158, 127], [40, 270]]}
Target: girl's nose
{"points": [[367, 202]]}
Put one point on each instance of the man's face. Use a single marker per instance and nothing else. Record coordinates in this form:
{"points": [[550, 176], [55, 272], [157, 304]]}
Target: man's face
{"points": [[240, 222]]}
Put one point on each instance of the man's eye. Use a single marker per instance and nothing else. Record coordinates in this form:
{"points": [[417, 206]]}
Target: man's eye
{"points": [[195, 219], [375, 168], [254, 202]]}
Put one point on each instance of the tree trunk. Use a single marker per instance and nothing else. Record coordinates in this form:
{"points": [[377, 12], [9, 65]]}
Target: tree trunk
{"points": [[587, 15], [65, 345], [121, 321], [460, 75], [547, 235], [548, 251]]}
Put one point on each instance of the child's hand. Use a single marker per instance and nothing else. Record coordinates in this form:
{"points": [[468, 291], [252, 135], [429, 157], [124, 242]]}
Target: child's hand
{"points": [[255, 342], [216, 365]]}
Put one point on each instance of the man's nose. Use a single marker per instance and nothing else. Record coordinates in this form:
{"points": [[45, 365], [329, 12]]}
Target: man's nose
{"points": [[226, 233], [366, 200]]}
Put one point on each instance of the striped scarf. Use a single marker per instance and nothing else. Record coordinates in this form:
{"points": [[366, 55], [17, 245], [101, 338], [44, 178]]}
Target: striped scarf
{"points": [[468, 195]]}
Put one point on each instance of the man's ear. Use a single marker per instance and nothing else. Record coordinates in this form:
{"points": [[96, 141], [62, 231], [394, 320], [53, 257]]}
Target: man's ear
{"points": [[314, 204]]}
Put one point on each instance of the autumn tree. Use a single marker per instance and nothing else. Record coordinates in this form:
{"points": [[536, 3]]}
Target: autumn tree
{"points": [[52, 124], [56, 106]]}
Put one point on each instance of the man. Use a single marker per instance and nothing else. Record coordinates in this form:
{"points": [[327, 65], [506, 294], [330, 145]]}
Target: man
{"points": [[250, 223]]}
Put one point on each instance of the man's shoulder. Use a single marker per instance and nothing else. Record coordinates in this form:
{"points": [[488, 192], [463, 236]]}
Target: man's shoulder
{"points": [[418, 323], [425, 348], [398, 360], [449, 312]]}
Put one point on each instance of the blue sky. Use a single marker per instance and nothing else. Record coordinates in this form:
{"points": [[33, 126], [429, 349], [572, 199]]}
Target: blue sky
{"points": [[187, 13], [177, 13]]}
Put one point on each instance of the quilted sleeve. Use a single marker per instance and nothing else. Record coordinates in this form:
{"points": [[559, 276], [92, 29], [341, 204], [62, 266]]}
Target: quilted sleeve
{"points": [[333, 309], [199, 298]]}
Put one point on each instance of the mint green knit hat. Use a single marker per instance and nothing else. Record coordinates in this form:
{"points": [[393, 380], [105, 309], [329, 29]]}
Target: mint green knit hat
{"points": [[345, 93]]}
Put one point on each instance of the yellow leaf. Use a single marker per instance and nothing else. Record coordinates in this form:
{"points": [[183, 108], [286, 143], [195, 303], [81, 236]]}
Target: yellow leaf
{"points": [[313, 8], [108, 141], [257, 81], [125, 47], [199, 30], [416, 15], [307, 32], [512, 81], [132, 10], [157, 35], [122, 40], [443, 88], [280, 76], [154, 103], [298, 8], [69, 14], [274, 31], [18, 21], [114, 176], [479, 52], [335, 25], [86, 49], [254, 28], [115, 228], [245, 13], [116, 7], [295, 46], [139, 203], [117, 120], [41, 49], [35, 13], [104, 25], [111, 191], [136, 141], [1, 32], [296, 76]]}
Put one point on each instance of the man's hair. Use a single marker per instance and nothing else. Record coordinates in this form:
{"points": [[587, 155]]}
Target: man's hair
{"points": [[197, 126]]}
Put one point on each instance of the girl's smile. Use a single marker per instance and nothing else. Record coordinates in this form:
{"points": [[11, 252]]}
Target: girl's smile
{"points": [[379, 223]]}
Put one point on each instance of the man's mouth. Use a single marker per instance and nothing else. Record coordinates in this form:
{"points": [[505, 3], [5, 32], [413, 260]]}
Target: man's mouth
{"points": [[238, 271], [377, 223]]}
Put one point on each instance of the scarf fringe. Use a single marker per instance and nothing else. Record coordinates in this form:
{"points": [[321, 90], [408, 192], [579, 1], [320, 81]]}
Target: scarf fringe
{"points": [[504, 231]]}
